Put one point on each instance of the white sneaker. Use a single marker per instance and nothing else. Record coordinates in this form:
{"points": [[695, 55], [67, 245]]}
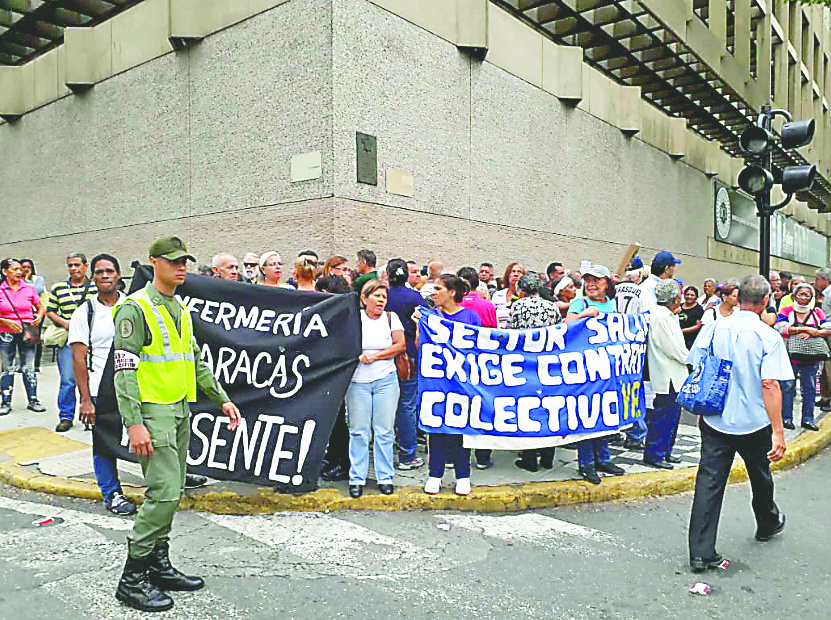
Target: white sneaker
{"points": [[433, 486], [463, 486]]}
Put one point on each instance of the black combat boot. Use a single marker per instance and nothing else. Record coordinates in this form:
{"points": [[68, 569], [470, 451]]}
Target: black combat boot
{"points": [[135, 590], [163, 575]]}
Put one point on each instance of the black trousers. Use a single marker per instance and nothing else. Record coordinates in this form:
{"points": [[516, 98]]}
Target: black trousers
{"points": [[337, 452], [717, 453]]}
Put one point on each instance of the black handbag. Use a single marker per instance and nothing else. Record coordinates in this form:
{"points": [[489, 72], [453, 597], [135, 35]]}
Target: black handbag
{"points": [[31, 332], [814, 349]]}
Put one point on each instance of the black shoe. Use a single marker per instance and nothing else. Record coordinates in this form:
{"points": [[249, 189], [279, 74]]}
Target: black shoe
{"points": [[527, 465], [192, 481], [337, 473], [590, 475], [763, 536], [547, 462], [699, 565], [608, 467], [63, 426], [810, 426], [672, 459], [789, 425], [162, 574], [658, 464], [5, 409], [356, 490], [633, 444], [34, 405], [386, 489], [134, 588]]}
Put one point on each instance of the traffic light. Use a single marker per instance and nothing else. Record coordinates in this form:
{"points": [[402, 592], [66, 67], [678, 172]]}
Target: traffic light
{"points": [[758, 176]]}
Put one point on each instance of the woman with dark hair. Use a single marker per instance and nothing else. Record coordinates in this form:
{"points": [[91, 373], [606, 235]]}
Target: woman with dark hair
{"points": [[17, 303], [530, 311], [447, 295], [338, 266], [373, 393], [403, 301], [503, 298], [598, 293], [689, 317], [31, 277], [336, 461]]}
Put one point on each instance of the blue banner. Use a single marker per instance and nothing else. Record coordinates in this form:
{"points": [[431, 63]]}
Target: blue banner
{"points": [[580, 377]]}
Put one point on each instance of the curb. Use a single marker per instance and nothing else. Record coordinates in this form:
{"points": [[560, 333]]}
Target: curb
{"points": [[505, 498]]}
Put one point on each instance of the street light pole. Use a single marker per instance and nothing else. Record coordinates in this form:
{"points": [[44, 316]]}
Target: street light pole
{"points": [[763, 206]]}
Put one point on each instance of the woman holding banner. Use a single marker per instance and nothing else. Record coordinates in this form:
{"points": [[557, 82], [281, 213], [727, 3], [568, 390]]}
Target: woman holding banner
{"points": [[372, 397], [598, 296], [447, 295]]}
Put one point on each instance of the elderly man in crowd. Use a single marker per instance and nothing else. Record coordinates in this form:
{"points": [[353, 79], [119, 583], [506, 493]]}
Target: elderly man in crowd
{"points": [[250, 272], [751, 423], [225, 266], [667, 355], [434, 269]]}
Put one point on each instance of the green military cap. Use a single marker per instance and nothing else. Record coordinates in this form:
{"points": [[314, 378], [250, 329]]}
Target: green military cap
{"points": [[171, 248]]}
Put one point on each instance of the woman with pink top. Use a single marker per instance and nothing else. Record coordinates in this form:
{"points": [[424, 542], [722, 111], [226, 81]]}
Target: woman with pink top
{"points": [[18, 300]]}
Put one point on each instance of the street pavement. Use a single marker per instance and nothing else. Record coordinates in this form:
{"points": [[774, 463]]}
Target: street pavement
{"points": [[616, 560], [78, 463]]}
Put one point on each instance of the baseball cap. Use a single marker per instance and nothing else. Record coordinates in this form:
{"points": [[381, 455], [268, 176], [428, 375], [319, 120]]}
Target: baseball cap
{"points": [[171, 248], [598, 271], [665, 258]]}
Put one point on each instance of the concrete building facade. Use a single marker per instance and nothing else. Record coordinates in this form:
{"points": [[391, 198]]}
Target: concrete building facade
{"points": [[235, 125]]}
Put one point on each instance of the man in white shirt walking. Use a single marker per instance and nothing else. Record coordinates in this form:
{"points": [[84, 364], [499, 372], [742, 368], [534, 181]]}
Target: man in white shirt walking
{"points": [[91, 333], [751, 423]]}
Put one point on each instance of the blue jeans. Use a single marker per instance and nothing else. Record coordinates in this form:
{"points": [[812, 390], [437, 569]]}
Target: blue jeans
{"points": [[591, 451], [807, 376], [66, 392], [662, 423], [370, 408], [12, 346], [405, 419]]}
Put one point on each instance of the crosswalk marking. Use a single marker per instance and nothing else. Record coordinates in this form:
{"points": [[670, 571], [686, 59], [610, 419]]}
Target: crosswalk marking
{"points": [[531, 527], [68, 514]]}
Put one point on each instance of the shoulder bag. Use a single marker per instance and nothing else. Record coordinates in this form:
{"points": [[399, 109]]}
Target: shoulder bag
{"points": [[705, 390], [31, 332], [56, 336], [403, 363], [809, 350]]}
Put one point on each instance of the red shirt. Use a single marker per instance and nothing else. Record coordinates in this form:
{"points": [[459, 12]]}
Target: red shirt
{"points": [[25, 298], [485, 309]]}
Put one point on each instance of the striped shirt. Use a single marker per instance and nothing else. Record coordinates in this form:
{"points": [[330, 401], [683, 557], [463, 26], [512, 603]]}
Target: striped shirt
{"points": [[64, 297]]}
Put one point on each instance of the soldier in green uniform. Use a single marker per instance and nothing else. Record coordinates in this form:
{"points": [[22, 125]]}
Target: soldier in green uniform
{"points": [[157, 369]]}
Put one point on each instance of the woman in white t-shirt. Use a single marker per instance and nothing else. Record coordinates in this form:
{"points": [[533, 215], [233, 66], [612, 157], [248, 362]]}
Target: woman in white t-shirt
{"points": [[372, 397], [729, 302]]}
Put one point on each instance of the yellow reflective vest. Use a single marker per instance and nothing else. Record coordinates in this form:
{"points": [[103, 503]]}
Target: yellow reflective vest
{"points": [[167, 370]]}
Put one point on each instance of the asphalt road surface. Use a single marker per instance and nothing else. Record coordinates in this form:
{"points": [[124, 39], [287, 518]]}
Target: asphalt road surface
{"points": [[625, 560]]}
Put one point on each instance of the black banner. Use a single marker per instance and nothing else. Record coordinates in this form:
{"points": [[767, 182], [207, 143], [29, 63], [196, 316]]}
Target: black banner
{"points": [[284, 357]]}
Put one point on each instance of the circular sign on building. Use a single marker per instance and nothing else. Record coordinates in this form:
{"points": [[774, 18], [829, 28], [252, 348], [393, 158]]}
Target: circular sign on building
{"points": [[724, 214]]}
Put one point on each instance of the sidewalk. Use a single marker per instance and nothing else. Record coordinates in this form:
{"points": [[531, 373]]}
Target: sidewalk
{"points": [[34, 456]]}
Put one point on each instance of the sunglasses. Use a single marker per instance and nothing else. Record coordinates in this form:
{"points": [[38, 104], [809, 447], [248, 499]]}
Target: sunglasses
{"points": [[249, 264]]}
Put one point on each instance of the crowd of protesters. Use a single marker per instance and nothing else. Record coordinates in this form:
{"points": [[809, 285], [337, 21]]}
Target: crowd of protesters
{"points": [[380, 404]]}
